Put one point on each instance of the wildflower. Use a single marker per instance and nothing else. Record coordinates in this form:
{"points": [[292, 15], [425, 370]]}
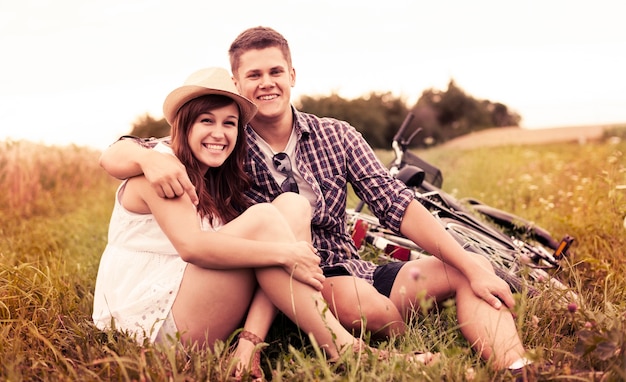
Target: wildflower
{"points": [[535, 322], [525, 178], [470, 374], [572, 307], [415, 273]]}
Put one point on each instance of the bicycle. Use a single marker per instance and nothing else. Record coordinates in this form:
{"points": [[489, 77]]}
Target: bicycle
{"points": [[525, 255]]}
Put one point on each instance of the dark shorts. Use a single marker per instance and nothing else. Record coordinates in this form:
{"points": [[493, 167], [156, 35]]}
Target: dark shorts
{"points": [[384, 275]]}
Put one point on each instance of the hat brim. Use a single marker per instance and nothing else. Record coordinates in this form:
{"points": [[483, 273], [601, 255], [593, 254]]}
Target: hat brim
{"points": [[180, 96]]}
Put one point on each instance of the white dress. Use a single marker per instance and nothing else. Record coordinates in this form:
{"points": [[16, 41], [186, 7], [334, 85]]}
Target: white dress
{"points": [[139, 275]]}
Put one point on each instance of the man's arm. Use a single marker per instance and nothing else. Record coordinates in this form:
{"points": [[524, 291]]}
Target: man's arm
{"points": [[419, 226], [123, 158], [399, 211], [167, 175]]}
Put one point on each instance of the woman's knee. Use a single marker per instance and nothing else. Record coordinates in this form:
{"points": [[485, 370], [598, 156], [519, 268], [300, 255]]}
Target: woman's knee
{"points": [[266, 218], [263, 211], [292, 203]]}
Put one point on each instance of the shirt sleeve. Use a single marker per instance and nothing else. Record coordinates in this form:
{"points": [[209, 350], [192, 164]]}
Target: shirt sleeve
{"points": [[162, 147], [387, 197], [148, 143]]}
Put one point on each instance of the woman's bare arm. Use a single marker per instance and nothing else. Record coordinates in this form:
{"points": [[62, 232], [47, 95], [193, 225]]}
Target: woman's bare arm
{"points": [[256, 242]]}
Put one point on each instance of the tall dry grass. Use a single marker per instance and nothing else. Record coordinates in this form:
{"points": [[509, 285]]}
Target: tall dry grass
{"points": [[41, 180], [569, 189], [54, 214]]}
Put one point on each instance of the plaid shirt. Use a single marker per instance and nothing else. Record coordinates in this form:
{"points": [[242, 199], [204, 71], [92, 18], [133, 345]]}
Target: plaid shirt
{"points": [[329, 155]]}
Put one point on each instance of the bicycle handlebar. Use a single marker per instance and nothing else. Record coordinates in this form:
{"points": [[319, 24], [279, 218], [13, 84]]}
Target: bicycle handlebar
{"points": [[407, 121]]}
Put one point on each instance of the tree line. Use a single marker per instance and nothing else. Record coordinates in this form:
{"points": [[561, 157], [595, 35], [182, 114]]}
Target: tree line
{"points": [[442, 114]]}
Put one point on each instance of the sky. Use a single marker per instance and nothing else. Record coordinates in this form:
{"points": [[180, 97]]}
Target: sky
{"points": [[82, 71]]}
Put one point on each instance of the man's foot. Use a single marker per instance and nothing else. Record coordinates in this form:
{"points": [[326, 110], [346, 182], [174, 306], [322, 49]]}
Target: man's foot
{"points": [[538, 371], [364, 351]]}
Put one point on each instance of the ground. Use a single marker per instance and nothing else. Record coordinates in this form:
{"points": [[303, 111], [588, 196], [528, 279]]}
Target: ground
{"points": [[516, 135]]}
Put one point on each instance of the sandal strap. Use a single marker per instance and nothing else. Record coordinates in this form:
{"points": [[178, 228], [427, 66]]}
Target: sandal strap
{"points": [[249, 336]]}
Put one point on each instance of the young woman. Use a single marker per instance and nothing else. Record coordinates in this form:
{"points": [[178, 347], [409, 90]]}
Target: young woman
{"points": [[199, 270]]}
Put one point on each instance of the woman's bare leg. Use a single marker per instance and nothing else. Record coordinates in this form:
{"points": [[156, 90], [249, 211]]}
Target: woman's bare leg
{"points": [[211, 304], [300, 302]]}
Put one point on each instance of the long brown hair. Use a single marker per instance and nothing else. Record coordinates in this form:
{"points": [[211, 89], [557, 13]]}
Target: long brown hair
{"points": [[220, 189]]}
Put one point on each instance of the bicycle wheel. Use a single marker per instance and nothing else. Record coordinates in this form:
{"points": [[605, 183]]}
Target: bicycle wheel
{"points": [[502, 254]]}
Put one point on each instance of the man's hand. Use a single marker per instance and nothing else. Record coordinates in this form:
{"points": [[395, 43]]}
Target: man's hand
{"points": [[488, 286], [167, 175]]}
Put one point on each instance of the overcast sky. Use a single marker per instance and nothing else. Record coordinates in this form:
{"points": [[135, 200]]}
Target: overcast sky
{"points": [[82, 71]]}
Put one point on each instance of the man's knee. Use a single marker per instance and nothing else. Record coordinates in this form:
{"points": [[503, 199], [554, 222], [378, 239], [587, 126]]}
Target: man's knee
{"points": [[358, 304]]}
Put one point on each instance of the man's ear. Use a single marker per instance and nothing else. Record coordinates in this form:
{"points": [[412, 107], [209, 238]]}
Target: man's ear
{"points": [[236, 83], [293, 77]]}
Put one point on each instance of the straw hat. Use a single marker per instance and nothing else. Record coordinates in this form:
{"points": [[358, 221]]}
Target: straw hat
{"points": [[203, 82]]}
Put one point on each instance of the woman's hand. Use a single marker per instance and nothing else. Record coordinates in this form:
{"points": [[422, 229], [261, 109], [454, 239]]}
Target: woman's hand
{"points": [[304, 264]]}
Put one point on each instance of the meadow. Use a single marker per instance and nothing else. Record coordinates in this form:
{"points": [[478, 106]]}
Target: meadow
{"points": [[54, 213]]}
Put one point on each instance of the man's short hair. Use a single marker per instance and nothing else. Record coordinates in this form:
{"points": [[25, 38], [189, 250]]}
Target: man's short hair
{"points": [[257, 38]]}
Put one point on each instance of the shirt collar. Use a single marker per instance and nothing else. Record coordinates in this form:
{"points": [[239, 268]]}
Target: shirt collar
{"points": [[300, 124]]}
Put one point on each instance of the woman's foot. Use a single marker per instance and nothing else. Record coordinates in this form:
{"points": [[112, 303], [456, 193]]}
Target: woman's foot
{"points": [[248, 354]]}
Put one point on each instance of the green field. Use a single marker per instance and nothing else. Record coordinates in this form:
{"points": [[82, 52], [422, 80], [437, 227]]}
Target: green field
{"points": [[54, 212]]}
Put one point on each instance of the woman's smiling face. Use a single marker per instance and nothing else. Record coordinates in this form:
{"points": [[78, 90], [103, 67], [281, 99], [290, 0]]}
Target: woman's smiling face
{"points": [[213, 135]]}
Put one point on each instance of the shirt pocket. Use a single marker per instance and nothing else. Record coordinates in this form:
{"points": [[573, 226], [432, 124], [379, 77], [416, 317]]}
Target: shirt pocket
{"points": [[334, 191]]}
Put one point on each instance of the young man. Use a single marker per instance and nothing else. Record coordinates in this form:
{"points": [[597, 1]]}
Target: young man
{"points": [[318, 157]]}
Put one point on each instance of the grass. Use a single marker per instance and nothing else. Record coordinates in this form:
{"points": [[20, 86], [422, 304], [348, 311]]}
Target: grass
{"points": [[54, 214]]}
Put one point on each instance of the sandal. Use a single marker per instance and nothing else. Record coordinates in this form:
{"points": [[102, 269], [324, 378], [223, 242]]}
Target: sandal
{"points": [[253, 370]]}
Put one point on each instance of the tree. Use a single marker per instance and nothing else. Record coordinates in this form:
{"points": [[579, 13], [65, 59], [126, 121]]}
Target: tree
{"points": [[501, 116], [376, 115], [442, 115], [445, 115], [147, 127]]}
